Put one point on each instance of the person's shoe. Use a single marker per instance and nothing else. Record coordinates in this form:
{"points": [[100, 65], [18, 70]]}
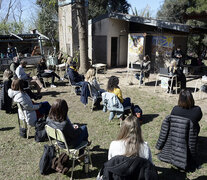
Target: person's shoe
{"points": [[61, 79], [53, 86]]}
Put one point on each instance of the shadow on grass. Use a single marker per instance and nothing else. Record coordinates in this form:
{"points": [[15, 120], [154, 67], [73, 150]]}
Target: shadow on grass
{"points": [[170, 174], [52, 93], [201, 178], [99, 157], [152, 83], [6, 128], [146, 118]]}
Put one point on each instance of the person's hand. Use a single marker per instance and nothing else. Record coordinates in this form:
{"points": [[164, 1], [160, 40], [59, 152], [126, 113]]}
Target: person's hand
{"points": [[75, 126]]}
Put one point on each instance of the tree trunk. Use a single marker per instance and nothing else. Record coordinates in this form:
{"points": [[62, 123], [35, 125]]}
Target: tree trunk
{"points": [[83, 36]]}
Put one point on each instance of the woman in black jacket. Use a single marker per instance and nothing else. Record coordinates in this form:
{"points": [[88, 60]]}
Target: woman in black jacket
{"points": [[58, 119], [186, 108], [42, 71], [179, 134], [7, 101]]}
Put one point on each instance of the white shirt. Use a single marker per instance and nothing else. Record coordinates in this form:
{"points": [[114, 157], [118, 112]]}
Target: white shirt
{"points": [[21, 73], [119, 147]]}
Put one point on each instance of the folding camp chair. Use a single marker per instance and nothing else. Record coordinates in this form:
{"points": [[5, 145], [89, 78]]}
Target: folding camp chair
{"points": [[73, 87], [91, 96], [57, 135], [25, 124]]}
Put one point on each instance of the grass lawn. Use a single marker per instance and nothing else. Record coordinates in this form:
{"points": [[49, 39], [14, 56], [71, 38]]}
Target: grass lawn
{"points": [[19, 158]]}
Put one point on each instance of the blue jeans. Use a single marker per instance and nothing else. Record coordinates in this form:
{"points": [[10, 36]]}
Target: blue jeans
{"points": [[83, 136], [45, 108]]}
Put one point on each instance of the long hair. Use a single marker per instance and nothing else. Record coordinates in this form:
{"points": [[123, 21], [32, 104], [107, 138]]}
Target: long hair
{"points": [[7, 75], [186, 100], [173, 65], [112, 83], [90, 74], [42, 61], [17, 85], [130, 132], [59, 110]]}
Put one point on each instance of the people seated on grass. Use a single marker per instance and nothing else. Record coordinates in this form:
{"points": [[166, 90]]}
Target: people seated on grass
{"points": [[32, 111], [113, 87], [42, 72], [129, 141], [145, 69], [26, 77], [95, 87], [4, 98], [179, 133], [58, 118], [174, 70], [14, 64]]}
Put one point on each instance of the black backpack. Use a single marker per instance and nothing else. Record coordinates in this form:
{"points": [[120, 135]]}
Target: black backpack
{"points": [[40, 132], [46, 159]]}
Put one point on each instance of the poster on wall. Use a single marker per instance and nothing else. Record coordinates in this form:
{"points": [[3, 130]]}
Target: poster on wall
{"points": [[162, 45], [135, 47]]}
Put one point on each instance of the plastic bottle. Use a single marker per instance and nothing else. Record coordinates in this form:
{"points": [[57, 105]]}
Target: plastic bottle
{"points": [[86, 164]]}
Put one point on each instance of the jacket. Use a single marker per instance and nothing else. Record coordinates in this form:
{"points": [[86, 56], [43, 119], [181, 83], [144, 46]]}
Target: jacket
{"points": [[21, 73], [177, 142], [111, 102], [27, 105], [74, 76], [129, 168], [84, 93], [71, 134], [41, 69], [6, 101]]}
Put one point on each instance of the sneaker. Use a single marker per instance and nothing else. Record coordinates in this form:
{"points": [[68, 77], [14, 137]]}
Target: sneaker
{"points": [[53, 86], [61, 79]]}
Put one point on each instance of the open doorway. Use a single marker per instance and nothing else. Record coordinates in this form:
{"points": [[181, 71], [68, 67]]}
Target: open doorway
{"points": [[114, 43]]}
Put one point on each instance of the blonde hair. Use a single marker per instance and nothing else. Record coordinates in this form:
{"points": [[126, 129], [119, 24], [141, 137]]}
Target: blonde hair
{"points": [[173, 65], [7, 74], [131, 133], [90, 74]]}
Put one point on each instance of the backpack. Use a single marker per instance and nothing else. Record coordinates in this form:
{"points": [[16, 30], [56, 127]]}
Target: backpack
{"points": [[40, 132], [137, 111], [46, 159]]}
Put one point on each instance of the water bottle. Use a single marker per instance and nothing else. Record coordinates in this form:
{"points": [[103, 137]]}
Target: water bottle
{"points": [[86, 164]]}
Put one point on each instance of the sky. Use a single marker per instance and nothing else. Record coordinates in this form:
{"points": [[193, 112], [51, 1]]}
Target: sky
{"points": [[154, 5], [30, 9]]}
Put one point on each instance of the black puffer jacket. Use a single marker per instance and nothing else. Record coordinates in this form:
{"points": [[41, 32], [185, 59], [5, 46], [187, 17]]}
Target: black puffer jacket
{"points": [[178, 142], [128, 168]]}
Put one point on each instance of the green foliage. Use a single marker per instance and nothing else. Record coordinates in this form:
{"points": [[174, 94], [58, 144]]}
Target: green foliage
{"points": [[173, 10], [197, 6], [13, 27], [48, 19], [97, 8], [100, 7]]}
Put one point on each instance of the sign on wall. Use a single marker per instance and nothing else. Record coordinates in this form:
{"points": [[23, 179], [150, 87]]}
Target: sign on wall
{"points": [[163, 45], [135, 47]]}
